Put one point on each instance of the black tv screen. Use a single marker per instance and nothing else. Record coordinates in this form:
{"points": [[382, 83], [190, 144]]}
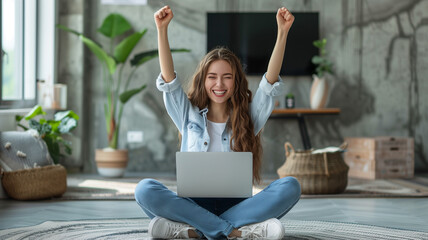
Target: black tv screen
{"points": [[251, 36]]}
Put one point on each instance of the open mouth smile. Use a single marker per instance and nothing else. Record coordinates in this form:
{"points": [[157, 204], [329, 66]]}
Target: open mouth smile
{"points": [[219, 93]]}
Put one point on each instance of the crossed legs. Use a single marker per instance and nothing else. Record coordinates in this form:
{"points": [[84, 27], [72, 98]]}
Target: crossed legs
{"points": [[273, 202]]}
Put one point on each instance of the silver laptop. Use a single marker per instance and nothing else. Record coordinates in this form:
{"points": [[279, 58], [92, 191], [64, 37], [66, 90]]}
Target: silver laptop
{"points": [[214, 174]]}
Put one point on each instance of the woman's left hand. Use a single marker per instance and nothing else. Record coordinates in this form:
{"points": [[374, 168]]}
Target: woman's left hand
{"points": [[285, 19]]}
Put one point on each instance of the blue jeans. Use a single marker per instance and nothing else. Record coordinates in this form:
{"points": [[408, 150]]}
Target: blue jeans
{"points": [[217, 217]]}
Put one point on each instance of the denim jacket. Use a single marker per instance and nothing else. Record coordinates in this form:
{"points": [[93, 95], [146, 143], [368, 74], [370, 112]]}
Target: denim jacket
{"points": [[192, 121]]}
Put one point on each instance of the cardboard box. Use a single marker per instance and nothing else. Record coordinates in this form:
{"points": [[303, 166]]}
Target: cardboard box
{"points": [[380, 157]]}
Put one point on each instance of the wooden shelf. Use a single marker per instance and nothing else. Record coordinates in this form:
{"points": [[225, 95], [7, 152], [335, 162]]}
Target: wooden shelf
{"points": [[300, 114], [293, 111]]}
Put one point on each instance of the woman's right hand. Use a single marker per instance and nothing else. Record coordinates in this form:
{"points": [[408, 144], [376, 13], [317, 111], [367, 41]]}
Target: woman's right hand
{"points": [[162, 17]]}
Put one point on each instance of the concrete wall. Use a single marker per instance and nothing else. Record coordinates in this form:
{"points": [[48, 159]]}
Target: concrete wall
{"points": [[379, 50]]}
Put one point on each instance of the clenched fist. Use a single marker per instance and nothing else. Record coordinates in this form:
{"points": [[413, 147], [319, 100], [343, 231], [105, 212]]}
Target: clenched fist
{"points": [[162, 17], [285, 19]]}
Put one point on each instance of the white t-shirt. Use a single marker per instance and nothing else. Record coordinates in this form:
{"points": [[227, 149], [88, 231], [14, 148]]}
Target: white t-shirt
{"points": [[215, 130]]}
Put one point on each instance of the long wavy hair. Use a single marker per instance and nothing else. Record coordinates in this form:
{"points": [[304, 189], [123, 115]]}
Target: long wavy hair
{"points": [[240, 124]]}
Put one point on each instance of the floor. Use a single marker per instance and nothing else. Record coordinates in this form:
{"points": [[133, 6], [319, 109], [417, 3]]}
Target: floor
{"points": [[403, 213]]}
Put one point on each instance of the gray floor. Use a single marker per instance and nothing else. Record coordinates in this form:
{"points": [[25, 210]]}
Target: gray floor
{"points": [[403, 213]]}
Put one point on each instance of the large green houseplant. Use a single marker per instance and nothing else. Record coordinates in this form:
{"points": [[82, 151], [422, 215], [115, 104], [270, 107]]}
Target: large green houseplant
{"points": [[112, 161], [116, 93]]}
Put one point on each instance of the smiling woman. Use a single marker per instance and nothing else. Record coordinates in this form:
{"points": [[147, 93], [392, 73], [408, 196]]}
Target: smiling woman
{"points": [[222, 106]]}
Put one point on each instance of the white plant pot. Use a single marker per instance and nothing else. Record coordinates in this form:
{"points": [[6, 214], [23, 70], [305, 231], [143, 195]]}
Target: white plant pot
{"points": [[319, 93], [111, 162]]}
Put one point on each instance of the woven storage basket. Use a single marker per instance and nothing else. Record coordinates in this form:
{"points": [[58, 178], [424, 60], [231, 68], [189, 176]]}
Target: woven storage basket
{"points": [[36, 183], [320, 173]]}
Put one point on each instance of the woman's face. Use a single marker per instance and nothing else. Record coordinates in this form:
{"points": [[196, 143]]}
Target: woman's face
{"points": [[219, 82]]}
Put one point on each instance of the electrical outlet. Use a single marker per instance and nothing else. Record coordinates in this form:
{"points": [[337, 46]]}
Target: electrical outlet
{"points": [[135, 136]]}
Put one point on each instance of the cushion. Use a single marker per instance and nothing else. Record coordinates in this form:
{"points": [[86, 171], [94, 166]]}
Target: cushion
{"points": [[23, 150]]}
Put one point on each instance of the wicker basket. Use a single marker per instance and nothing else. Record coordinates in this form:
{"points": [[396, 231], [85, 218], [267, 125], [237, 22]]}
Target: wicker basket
{"points": [[321, 173], [36, 183]]}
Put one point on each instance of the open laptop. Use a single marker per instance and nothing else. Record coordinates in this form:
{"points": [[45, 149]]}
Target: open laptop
{"points": [[214, 174]]}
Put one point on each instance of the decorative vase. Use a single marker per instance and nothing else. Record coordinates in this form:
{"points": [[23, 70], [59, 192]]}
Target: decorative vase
{"points": [[319, 93], [111, 162]]}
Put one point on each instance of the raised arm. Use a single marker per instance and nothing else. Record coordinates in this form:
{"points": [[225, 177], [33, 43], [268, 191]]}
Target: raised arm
{"points": [[284, 20], [163, 18]]}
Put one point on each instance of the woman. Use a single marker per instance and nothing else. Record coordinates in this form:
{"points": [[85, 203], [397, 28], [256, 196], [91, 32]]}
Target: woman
{"points": [[218, 114]]}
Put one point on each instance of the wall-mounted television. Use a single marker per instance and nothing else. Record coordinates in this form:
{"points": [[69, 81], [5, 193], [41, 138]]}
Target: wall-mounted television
{"points": [[251, 36]]}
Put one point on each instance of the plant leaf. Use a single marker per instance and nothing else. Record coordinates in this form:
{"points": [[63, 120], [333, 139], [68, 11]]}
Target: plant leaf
{"points": [[100, 53], [114, 25], [143, 57], [42, 129], [35, 125], [146, 56], [66, 144], [53, 147], [67, 124], [324, 41], [320, 71], [18, 118], [37, 110], [317, 60], [68, 148], [74, 32], [124, 97], [22, 126], [60, 26], [54, 125], [320, 43], [317, 43], [61, 115], [122, 51]]}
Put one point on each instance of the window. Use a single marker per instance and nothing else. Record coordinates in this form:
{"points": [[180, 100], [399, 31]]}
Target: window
{"points": [[18, 34]]}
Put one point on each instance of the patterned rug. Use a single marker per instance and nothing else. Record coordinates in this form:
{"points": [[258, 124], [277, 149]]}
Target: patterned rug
{"points": [[95, 187], [137, 229]]}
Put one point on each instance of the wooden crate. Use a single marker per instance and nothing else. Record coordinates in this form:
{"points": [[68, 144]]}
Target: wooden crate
{"points": [[380, 157]]}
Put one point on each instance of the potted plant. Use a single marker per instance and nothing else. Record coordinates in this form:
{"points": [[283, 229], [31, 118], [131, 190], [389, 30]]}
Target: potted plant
{"points": [[51, 130], [112, 161], [319, 89]]}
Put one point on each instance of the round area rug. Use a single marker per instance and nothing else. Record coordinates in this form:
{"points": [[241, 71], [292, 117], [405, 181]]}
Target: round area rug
{"points": [[137, 229]]}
